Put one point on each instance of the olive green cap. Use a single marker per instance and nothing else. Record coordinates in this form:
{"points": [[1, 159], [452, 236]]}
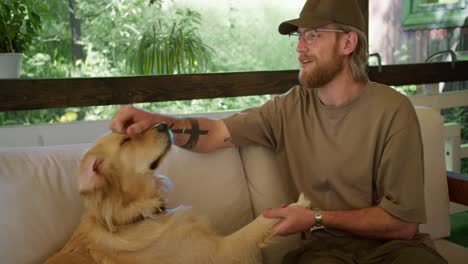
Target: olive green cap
{"points": [[317, 13]]}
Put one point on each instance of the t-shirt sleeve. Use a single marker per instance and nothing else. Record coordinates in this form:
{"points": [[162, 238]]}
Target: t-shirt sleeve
{"points": [[259, 125], [400, 180]]}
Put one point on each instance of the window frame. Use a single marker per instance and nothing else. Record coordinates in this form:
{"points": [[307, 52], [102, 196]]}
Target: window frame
{"points": [[417, 17]]}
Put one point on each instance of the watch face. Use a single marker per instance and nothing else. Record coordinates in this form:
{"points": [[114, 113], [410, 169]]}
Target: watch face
{"points": [[318, 218]]}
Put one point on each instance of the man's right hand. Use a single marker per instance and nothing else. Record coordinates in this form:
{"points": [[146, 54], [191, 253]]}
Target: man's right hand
{"points": [[131, 120]]}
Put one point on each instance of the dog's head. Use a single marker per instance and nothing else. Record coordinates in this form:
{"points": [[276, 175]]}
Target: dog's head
{"points": [[123, 165]]}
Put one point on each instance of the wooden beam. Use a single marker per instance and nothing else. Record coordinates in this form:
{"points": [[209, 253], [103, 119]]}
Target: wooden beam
{"points": [[23, 94], [421, 73], [56, 93], [458, 188]]}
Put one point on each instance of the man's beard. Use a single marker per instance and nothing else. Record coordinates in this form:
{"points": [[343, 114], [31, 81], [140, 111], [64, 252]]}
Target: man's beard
{"points": [[322, 74]]}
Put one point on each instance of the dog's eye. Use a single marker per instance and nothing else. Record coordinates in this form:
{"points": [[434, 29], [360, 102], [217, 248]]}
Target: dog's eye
{"points": [[124, 140]]}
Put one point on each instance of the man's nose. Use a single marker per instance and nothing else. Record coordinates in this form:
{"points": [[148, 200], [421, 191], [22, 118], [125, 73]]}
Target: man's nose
{"points": [[301, 45]]}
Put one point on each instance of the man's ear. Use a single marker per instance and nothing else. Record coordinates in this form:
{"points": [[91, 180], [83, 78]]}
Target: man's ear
{"points": [[91, 177], [351, 42]]}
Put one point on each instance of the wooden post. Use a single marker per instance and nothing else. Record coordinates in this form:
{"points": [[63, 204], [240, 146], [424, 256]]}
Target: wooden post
{"points": [[452, 146]]}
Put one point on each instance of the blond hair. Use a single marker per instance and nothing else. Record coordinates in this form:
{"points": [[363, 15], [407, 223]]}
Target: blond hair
{"points": [[358, 58]]}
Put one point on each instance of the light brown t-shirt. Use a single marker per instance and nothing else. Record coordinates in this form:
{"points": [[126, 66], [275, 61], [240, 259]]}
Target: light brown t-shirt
{"points": [[366, 153]]}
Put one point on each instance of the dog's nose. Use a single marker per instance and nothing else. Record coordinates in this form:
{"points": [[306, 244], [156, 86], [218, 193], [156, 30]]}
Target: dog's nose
{"points": [[162, 127]]}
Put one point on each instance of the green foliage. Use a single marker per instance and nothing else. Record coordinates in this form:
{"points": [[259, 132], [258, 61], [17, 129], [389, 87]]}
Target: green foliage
{"points": [[42, 64], [19, 24], [30, 117], [407, 90], [244, 42], [458, 115], [171, 47], [205, 106], [156, 2], [402, 54], [464, 166]]}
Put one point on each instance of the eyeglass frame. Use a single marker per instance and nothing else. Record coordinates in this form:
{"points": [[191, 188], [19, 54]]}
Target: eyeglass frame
{"points": [[310, 40]]}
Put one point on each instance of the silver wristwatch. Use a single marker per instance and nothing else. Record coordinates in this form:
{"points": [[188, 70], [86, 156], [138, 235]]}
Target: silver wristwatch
{"points": [[318, 224]]}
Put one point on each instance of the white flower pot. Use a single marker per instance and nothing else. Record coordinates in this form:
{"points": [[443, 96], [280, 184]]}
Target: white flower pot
{"points": [[10, 65]]}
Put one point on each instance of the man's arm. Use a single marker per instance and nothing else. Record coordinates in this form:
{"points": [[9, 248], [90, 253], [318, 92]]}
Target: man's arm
{"points": [[372, 222], [196, 134]]}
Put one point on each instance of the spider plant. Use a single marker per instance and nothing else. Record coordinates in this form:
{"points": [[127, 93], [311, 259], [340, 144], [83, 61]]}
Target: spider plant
{"points": [[171, 47]]}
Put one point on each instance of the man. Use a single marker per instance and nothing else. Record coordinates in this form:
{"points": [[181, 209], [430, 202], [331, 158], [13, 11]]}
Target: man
{"points": [[353, 147]]}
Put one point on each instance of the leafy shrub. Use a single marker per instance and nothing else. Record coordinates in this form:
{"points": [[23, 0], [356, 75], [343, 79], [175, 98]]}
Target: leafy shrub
{"points": [[19, 24]]}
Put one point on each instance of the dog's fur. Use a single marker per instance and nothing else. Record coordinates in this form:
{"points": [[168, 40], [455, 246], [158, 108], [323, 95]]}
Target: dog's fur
{"points": [[121, 194]]}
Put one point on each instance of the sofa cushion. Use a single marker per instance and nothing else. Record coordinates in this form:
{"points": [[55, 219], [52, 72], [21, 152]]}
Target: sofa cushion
{"points": [[39, 201], [453, 253], [214, 184], [267, 188], [435, 180]]}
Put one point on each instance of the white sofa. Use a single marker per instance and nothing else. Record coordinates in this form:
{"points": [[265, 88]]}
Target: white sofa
{"points": [[40, 205]]}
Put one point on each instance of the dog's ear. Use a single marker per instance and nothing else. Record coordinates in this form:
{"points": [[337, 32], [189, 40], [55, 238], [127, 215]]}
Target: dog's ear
{"points": [[91, 176]]}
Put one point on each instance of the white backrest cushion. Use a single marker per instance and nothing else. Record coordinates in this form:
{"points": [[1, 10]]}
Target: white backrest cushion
{"points": [[214, 184], [435, 180], [39, 201], [267, 190]]}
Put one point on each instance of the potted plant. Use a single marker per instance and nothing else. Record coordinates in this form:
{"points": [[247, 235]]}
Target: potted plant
{"points": [[19, 23]]}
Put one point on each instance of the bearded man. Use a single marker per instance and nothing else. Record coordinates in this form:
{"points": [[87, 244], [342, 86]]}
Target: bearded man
{"points": [[352, 146]]}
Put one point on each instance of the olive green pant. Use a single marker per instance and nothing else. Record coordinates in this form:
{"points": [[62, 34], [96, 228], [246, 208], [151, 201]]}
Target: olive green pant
{"points": [[358, 250]]}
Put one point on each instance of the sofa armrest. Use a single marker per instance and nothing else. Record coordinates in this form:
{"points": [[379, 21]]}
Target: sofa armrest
{"points": [[457, 187]]}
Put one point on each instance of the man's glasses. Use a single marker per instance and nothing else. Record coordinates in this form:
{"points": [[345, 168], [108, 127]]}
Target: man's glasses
{"points": [[310, 35]]}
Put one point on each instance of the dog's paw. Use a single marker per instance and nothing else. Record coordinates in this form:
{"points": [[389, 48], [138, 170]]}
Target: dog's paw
{"points": [[153, 208], [302, 201]]}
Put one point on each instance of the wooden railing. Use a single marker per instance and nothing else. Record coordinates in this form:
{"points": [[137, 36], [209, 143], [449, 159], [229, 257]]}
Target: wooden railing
{"points": [[55, 93], [454, 150]]}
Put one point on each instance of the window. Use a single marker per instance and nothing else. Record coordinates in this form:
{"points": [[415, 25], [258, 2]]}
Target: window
{"points": [[426, 14], [242, 35], [132, 37]]}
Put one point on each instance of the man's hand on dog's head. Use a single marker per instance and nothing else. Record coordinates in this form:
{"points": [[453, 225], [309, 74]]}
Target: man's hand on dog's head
{"points": [[131, 121]]}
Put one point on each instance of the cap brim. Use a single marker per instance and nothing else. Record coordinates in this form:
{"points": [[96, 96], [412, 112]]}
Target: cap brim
{"points": [[291, 25]]}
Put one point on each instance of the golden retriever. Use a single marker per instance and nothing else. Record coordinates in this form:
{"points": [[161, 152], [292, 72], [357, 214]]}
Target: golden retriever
{"points": [[125, 220]]}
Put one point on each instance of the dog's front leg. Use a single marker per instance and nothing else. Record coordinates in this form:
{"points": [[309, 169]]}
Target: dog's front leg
{"points": [[302, 201]]}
